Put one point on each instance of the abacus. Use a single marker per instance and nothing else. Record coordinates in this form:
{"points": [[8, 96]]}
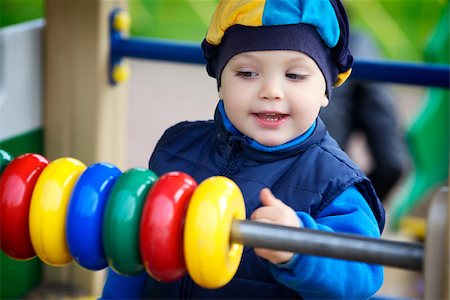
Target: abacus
{"points": [[98, 216]]}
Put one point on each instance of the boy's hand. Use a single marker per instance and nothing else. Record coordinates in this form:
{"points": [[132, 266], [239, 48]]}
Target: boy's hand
{"points": [[274, 211]]}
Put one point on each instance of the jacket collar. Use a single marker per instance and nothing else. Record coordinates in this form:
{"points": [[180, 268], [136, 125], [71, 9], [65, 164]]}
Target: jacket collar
{"points": [[230, 136]]}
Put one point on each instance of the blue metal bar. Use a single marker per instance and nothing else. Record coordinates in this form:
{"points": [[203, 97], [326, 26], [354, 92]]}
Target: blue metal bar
{"points": [[424, 74], [160, 50]]}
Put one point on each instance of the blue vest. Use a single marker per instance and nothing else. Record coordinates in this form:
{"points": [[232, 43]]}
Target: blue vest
{"points": [[306, 177]]}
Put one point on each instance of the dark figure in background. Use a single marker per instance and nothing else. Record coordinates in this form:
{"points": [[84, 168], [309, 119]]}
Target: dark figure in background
{"points": [[368, 107]]}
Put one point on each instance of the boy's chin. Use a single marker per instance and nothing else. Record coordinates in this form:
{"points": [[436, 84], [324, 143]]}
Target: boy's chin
{"points": [[270, 142]]}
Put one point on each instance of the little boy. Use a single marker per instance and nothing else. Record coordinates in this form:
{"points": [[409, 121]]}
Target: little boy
{"points": [[276, 62]]}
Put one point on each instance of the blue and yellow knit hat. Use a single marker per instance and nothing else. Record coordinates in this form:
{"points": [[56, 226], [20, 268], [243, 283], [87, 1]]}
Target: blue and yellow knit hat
{"points": [[318, 28]]}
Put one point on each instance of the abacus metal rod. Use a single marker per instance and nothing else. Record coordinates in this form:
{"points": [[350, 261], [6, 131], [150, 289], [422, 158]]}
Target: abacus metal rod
{"points": [[330, 244]]}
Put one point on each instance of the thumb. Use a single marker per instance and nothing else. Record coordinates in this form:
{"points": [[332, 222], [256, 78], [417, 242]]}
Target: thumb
{"points": [[268, 199]]}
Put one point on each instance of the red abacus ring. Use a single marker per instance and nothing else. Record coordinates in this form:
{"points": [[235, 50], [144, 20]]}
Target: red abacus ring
{"points": [[16, 187], [162, 222]]}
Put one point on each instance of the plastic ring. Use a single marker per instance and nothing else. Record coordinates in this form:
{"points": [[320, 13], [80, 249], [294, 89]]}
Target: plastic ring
{"points": [[5, 159], [211, 259], [16, 188], [122, 220], [48, 210], [162, 224], [85, 215]]}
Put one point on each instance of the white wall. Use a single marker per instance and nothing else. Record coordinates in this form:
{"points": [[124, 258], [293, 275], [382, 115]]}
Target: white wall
{"points": [[20, 78], [160, 95]]}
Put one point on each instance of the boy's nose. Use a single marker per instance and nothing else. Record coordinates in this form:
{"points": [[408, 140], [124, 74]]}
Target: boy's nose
{"points": [[271, 90]]}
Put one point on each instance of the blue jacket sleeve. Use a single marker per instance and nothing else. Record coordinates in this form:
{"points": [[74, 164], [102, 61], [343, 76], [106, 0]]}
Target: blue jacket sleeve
{"points": [[124, 287], [316, 277]]}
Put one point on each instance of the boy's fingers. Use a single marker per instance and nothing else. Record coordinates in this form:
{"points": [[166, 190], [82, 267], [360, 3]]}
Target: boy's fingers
{"points": [[275, 211], [268, 199], [263, 215], [266, 213]]}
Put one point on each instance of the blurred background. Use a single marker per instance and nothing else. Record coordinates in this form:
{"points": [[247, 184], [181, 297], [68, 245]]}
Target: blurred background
{"points": [[160, 94]]}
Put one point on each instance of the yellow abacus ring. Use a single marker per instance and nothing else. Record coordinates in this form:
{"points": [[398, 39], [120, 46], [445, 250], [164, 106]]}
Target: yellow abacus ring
{"points": [[211, 259], [48, 210]]}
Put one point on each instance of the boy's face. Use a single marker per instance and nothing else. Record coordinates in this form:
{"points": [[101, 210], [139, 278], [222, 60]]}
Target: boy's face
{"points": [[272, 96]]}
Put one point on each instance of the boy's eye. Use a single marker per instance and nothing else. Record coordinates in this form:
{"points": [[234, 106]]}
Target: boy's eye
{"points": [[297, 76], [246, 74]]}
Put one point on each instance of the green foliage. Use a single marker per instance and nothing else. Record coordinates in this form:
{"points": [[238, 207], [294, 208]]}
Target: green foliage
{"points": [[17, 11], [172, 19], [402, 27]]}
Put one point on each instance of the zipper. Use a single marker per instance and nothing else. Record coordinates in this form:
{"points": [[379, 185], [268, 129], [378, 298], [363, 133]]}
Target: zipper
{"points": [[186, 286], [233, 157]]}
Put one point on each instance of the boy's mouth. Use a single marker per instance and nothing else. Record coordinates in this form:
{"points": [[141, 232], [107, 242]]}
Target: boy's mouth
{"points": [[271, 117], [270, 120]]}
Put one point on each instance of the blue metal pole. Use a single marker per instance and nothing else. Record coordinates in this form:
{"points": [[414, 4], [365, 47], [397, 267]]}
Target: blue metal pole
{"points": [[160, 50], [424, 74]]}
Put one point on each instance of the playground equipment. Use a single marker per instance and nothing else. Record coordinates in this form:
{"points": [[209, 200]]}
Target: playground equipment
{"points": [[135, 221]]}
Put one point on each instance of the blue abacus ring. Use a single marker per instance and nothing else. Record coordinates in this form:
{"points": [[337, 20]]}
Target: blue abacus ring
{"points": [[85, 215]]}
